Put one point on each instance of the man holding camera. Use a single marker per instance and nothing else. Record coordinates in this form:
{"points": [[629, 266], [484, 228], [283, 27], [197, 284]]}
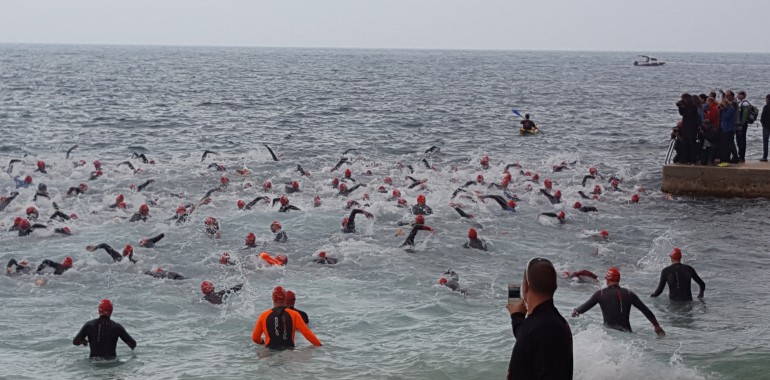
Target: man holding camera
{"points": [[543, 348], [742, 125]]}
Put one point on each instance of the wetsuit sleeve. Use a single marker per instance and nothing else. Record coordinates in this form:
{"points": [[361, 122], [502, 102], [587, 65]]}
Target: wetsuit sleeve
{"points": [[81, 337], [643, 308], [461, 212], [256, 335], [156, 238], [661, 284], [500, 201], [698, 280], [127, 339], [292, 207], [589, 304], [300, 325], [115, 255]]}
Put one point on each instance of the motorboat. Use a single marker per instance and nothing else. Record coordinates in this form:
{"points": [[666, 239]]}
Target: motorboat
{"points": [[649, 61]]}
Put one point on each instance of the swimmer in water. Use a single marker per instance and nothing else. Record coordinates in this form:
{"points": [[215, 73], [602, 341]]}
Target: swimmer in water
{"points": [[142, 157], [561, 216], [416, 182], [344, 191], [95, 175], [453, 282], [421, 208], [280, 234], [582, 208], [70, 151], [341, 161], [212, 227], [150, 242], [5, 201], [217, 298], [463, 213], [206, 153], [162, 273], [102, 334], [59, 268], [42, 191], [10, 165], [224, 259], [41, 167], [616, 303], [129, 164], [271, 152], [279, 325], [142, 215], [474, 241], [583, 276], [20, 267], [217, 167], [324, 259], [554, 199], [583, 195], [25, 228], [22, 183], [144, 185], [181, 215], [120, 198], [505, 205], [349, 222], [251, 241], [80, 189], [302, 171], [433, 149], [614, 184], [348, 176], [128, 251], [248, 206], [291, 300], [419, 219], [32, 213], [292, 188], [409, 242], [285, 206], [678, 277]]}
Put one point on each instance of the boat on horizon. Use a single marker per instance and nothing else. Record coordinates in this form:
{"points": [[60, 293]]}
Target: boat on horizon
{"points": [[649, 61]]}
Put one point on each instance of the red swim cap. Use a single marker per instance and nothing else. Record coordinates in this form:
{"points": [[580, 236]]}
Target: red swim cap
{"points": [[388, 180], [605, 233], [472, 234], [512, 203], [128, 250], [421, 199], [24, 224], [577, 205], [535, 177], [505, 182], [396, 193], [210, 221], [83, 187], [348, 173], [284, 201], [120, 198], [105, 307], [635, 198], [613, 275], [31, 210], [122, 205], [335, 182], [144, 209], [17, 221], [597, 189], [267, 185], [479, 178], [343, 187], [676, 254], [295, 185], [207, 287], [562, 215], [291, 298], [614, 183], [241, 204], [251, 238], [557, 194], [419, 219], [224, 180], [75, 216], [485, 160], [99, 173], [322, 254], [366, 196], [592, 170], [67, 262], [225, 258], [275, 226], [382, 189], [27, 179], [442, 281], [97, 164], [317, 200], [41, 164], [279, 295], [547, 183], [402, 202], [181, 210], [66, 230]]}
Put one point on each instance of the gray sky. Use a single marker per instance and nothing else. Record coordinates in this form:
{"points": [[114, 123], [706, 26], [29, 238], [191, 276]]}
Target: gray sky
{"points": [[615, 25]]}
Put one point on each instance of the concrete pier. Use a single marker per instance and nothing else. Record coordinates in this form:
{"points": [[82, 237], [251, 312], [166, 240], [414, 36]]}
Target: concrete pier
{"points": [[747, 180]]}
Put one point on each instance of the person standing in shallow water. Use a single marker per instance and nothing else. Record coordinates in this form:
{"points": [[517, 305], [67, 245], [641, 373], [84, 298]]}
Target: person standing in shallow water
{"points": [[678, 276], [102, 334]]}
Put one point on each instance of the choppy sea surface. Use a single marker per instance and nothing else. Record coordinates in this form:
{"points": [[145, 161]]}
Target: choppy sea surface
{"points": [[379, 312]]}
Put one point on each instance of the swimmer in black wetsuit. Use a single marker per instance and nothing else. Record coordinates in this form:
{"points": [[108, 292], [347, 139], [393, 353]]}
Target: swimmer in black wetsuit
{"points": [[413, 233], [463, 213], [349, 222], [211, 226], [5, 201], [339, 163], [344, 191], [616, 303], [291, 299], [678, 276], [129, 164], [25, 229], [421, 208], [57, 267], [433, 149], [150, 243], [302, 171], [32, 213], [142, 157], [506, 206], [80, 189], [583, 195], [42, 191], [285, 206], [14, 267], [70, 151], [144, 185], [206, 153], [251, 204], [560, 216], [102, 334], [348, 176], [555, 198], [474, 241], [280, 234], [142, 215], [292, 188], [217, 167], [271, 152], [416, 182], [583, 275], [214, 297], [453, 282], [582, 208], [128, 251], [41, 167], [95, 175], [614, 184], [323, 259], [162, 273], [10, 165]]}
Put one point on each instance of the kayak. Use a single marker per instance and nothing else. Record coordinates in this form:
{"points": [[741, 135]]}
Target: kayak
{"points": [[525, 132]]}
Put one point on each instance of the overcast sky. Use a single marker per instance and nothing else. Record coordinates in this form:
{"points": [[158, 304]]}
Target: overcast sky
{"points": [[612, 25]]}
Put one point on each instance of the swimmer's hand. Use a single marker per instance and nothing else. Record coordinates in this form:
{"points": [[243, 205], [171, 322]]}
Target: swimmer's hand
{"points": [[659, 331]]}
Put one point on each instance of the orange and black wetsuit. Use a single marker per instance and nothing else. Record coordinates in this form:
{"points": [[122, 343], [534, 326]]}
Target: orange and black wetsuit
{"points": [[279, 325]]}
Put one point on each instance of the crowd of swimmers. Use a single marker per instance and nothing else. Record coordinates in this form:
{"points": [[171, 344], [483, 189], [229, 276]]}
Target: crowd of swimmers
{"points": [[350, 192], [713, 128]]}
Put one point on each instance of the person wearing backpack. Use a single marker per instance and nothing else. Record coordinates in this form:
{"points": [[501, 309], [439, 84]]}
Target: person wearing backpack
{"points": [[765, 120], [742, 124]]}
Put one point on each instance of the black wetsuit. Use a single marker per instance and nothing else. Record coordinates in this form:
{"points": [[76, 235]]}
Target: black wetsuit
{"points": [[257, 199], [301, 171], [325, 260], [218, 297], [583, 195], [463, 213], [145, 184], [70, 151], [75, 190], [142, 156], [350, 228], [58, 268], [206, 153], [271, 152], [138, 217], [60, 216], [413, 233], [550, 197], [31, 228], [347, 192], [8, 200], [20, 269], [41, 194], [586, 178], [115, 254], [102, 335], [475, 243], [149, 243], [281, 236], [213, 229], [164, 274], [543, 348], [588, 209], [301, 313], [341, 161], [503, 204], [616, 303], [678, 277], [129, 164], [552, 215], [288, 208], [421, 209]]}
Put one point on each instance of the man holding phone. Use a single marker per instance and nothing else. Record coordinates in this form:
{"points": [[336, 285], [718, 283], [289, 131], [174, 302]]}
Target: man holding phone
{"points": [[543, 348]]}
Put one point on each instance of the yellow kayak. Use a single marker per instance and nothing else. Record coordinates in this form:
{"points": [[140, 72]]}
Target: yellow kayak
{"points": [[525, 132]]}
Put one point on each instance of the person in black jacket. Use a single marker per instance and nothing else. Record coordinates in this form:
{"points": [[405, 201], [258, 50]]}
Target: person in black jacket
{"points": [[765, 120], [102, 334], [689, 130], [678, 276], [291, 299], [616, 303], [543, 348]]}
